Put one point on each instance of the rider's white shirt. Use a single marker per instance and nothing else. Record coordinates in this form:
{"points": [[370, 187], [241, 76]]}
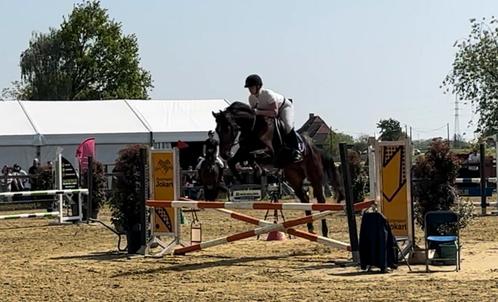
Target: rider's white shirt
{"points": [[266, 99]]}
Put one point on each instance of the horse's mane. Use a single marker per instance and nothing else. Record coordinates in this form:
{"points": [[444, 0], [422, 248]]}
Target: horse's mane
{"points": [[239, 107]]}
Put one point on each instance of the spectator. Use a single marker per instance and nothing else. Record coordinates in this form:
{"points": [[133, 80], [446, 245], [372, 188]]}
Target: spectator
{"points": [[34, 172], [473, 160], [23, 179], [17, 182], [6, 181]]}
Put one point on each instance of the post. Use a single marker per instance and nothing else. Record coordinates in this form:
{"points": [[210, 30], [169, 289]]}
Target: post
{"points": [[448, 133], [372, 174], [89, 186], [143, 197], [496, 166], [58, 186], [482, 155], [346, 175]]}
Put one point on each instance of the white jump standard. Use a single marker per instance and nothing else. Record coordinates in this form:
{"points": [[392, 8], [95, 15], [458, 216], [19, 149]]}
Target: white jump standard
{"points": [[59, 214]]}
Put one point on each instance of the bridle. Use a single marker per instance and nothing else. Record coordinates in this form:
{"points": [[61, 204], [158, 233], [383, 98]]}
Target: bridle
{"points": [[236, 127]]}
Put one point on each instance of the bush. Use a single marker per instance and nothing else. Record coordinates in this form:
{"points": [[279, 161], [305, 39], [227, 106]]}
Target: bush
{"points": [[125, 200], [433, 184]]}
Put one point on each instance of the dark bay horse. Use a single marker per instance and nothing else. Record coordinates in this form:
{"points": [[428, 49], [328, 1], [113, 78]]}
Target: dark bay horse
{"points": [[239, 126], [210, 177]]}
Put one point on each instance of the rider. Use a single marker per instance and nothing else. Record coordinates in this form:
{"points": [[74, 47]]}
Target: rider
{"points": [[271, 104], [211, 149]]}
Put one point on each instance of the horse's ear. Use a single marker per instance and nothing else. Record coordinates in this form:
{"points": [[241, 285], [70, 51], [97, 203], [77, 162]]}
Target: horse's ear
{"points": [[215, 114]]}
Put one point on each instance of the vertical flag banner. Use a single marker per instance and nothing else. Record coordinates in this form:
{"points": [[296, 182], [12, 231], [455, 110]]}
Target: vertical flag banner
{"points": [[84, 150]]}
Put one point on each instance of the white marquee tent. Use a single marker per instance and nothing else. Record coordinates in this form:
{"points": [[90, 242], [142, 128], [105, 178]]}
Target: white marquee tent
{"points": [[29, 127]]}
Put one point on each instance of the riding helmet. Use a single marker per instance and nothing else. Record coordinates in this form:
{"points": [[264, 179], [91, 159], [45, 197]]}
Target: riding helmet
{"points": [[253, 80]]}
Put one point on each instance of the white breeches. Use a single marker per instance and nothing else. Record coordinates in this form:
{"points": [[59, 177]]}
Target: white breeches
{"points": [[218, 161], [287, 116]]}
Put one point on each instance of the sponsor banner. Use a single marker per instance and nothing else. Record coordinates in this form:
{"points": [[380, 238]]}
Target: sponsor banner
{"points": [[163, 187], [395, 199], [244, 195]]}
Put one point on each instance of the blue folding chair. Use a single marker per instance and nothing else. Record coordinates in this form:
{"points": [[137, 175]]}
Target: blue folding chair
{"points": [[441, 230]]}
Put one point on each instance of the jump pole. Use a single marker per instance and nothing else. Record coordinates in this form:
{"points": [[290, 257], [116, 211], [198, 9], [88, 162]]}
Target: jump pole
{"points": [[305, 235], [32, 215], [43, 193], [258, 231], [245, 205], [265, 225]]}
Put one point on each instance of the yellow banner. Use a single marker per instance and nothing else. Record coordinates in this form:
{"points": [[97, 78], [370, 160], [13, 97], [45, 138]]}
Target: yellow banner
{"points": [[162, 179], [394, 192]]}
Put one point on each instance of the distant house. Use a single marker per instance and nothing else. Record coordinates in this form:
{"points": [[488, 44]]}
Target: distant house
{"points": [[316, 128]]}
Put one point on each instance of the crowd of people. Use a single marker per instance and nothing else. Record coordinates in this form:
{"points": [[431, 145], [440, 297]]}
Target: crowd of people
{"points": [[15, 179]]}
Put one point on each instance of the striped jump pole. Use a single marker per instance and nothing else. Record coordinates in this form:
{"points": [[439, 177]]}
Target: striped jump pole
{"points": [[258, 231], [49, 214], [43, 193], [32, 215], [254, 205], [298, 233]]}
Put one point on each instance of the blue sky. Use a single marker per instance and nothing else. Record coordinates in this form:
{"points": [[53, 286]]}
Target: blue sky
{"points": [[351, 62]]}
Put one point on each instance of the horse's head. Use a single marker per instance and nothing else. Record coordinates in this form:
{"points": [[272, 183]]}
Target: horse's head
{"points": [[227, 131]]}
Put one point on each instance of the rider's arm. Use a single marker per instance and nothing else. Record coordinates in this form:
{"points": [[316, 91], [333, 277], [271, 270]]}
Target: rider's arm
{"points": [[217, 151], [204, 150], [271, 112]]}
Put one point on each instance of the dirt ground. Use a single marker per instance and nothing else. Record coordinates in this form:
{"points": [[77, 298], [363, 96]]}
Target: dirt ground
{"points": [[39, 262]]}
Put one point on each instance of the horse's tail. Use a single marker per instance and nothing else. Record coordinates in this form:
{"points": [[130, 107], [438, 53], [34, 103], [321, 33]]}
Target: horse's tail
{"points": [[332, 174]]}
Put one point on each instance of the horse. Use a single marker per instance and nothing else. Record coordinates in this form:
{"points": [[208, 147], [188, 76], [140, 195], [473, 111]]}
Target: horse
{"points": [[238, 125], [210, 176]]}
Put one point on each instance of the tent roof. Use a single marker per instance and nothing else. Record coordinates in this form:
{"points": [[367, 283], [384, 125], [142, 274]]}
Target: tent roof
{"points": [[68, 122], [15, 128], [172, 120], [113, 121]]}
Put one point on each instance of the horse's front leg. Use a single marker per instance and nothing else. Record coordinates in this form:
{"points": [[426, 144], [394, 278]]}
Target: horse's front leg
{"points": [[296, 180], [232, 162], [320, 198]]}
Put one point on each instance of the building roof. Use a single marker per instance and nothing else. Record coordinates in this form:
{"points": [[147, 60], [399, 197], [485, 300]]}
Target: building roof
{"points": [[316, 128]]}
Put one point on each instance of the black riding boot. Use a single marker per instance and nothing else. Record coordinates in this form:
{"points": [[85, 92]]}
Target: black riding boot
{"points": [[292, 142]]}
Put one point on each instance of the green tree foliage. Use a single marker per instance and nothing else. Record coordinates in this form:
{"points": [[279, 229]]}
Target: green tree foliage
{"points": [[474, 74], [390, 130], [361, 144], [88, 57], [332, 142]]}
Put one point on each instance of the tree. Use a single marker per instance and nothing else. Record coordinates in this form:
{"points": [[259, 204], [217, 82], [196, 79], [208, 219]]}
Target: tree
{"points": [[88, 57], [332, 142], [474, 74], [390, 130], [361, 144]]}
